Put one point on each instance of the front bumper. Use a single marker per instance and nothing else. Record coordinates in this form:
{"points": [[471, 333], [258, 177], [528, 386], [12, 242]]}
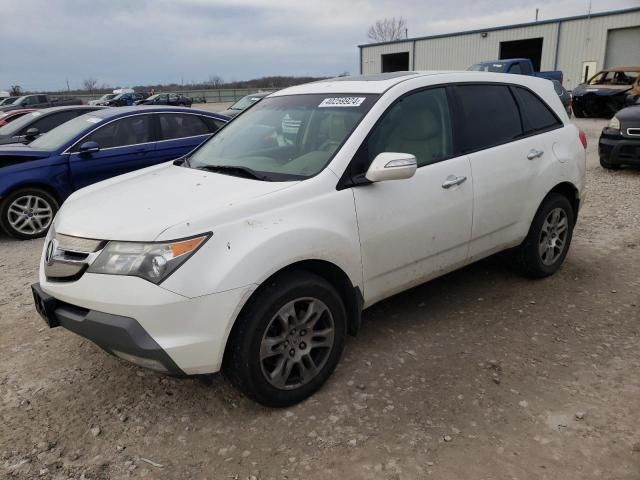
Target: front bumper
{"points": [[616, 149], [144, 323], [118, 335]]}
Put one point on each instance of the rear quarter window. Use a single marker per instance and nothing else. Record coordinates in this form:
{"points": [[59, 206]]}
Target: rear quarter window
{"points": [[536, 114], [488, 116]]}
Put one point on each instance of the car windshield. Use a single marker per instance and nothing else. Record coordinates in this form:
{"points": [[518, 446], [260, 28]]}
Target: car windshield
{"points": [[487, 67], [8, 101], [107, 96], [153, 97], [245, 102], [10, 129], [63, 134], [284, 138], [614, 78]]}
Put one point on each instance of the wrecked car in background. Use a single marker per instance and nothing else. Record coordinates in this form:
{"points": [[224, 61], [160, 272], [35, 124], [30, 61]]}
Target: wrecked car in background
{"points": [[607, 92]]}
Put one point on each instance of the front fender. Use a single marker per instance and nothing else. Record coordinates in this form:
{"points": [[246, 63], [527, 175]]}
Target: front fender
{"points": [[249, 251]]}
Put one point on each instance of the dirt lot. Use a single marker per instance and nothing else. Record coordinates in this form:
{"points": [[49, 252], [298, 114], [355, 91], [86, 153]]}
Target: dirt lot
{"points": [[478, 375]]}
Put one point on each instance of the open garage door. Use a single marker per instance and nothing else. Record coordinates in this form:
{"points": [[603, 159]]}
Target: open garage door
{"points": [[530, 48], [623, 47], [395, 62]]}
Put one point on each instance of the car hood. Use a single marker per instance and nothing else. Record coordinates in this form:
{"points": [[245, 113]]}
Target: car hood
{"points": [[19, 153], [141, 205], [600, 90]]}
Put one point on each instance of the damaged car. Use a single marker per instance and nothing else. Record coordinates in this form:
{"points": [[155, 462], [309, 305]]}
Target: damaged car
{"points": [[620, 140], [606, 92]]}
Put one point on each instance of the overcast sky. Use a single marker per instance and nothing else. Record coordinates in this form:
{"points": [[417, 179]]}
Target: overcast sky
{"points": [[125, 43]]}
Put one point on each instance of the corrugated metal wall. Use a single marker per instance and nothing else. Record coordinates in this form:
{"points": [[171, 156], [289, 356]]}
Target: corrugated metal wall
{"points": [[457, 53], [371, 57], [586, 40], [580, 40]]}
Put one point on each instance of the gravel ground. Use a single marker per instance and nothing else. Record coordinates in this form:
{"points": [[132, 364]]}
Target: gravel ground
{"points": [[480, 374]]}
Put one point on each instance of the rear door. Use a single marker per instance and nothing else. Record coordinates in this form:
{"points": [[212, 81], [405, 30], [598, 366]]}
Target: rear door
{"points": [[179, 133], [126, 144], [505, 162]]}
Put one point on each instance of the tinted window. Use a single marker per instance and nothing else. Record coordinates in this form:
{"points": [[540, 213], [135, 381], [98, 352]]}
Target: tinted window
{"points": [[488, 116], [52, 121], [418, 124], [515, 68], [536, 115], [174, 125], [126, 131], [213, 123]]}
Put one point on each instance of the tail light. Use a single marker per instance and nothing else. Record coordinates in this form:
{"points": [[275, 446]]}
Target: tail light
{"points": [[583, 139]]}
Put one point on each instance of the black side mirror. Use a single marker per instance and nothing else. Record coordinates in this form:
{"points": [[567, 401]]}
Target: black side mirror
{"points": [[32, 133], [89, 147]]}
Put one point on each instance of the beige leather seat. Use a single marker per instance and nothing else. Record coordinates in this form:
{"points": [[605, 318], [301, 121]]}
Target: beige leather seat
{"points": [[419, 132]]}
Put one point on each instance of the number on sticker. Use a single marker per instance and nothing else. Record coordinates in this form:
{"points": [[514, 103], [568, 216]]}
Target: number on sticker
{"points": [[342, 102]]}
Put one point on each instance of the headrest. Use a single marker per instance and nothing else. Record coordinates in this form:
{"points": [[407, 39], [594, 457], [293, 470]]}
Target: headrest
{"points": [[419, 124]]}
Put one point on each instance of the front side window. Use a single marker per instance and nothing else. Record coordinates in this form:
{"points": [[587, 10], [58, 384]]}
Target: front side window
{"points": [[536, 115], [488, 116], [419, 124], [120, 133], [289, 137], [51, 121], [175, 125]]}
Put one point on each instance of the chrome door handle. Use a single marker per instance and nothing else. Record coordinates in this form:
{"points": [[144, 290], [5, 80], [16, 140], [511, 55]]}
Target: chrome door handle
{"points": [[452, 181], [533, 153]]}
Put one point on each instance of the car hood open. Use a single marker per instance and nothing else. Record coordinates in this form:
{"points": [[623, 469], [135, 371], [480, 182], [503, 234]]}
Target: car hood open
{"points": [[141, 205]]}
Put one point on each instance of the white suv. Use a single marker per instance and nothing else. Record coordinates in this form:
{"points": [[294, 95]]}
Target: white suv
{"points": [[257, 252]]}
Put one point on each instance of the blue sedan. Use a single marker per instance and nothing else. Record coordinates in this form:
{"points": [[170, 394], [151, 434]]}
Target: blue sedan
{"points": [[35, 179]]}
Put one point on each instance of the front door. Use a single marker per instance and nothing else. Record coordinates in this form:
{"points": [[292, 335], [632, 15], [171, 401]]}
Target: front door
{"points": [[416, 229], [126, 144]]}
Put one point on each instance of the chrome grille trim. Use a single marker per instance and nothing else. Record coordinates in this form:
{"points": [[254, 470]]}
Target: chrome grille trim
{"points": [[634, 132], [67, 257]]}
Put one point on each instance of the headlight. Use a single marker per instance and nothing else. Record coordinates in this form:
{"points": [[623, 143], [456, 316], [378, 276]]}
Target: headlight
{"points": [[614, 123], [151, 261]]}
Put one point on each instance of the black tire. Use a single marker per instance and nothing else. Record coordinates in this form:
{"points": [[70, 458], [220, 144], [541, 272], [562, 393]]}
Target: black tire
{"points": [[243, 365], [577, 111], [607, 165], [7, 214], [527, 257]]}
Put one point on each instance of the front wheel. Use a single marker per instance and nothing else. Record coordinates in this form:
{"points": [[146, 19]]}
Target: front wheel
{"points": [[547, 243], [26, 214], [288, 340]]}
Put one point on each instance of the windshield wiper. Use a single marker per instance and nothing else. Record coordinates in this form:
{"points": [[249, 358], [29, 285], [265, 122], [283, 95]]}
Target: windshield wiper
{"points": [[235, 170]]}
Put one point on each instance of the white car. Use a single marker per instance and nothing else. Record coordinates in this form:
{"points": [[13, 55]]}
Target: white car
{"points": [[256, 256]]}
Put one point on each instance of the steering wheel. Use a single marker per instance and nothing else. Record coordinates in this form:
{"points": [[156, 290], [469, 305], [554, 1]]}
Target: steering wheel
{"points": [[327, 144]]}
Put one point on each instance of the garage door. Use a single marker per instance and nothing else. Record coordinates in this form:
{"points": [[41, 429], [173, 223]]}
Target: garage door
{"points": [[623, 47]]}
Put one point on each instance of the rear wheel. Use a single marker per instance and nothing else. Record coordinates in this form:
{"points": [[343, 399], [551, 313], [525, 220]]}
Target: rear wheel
{"points": [[288, 340], [27, 213], [547, 243]]}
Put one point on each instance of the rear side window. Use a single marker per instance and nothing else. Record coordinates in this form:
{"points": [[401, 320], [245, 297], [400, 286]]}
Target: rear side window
{"points": [[488, 116], [515, 68], [173, 125], [536, 115]]}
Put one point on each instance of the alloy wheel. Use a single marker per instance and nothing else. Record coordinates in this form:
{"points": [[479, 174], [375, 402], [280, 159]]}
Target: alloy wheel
{"points": [[297, 343], [30, 214], [553, 236]]}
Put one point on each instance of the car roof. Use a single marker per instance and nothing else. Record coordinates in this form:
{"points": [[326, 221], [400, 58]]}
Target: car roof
{"points": [[88, 108], [381, 82], [115, 112]]}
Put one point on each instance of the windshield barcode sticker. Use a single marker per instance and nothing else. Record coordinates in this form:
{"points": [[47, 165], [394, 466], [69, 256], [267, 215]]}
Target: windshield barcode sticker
{"points": [[342, 102]]}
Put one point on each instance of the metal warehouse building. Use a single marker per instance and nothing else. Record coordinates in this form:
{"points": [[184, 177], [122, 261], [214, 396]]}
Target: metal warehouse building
{"points": [[579, 46]]}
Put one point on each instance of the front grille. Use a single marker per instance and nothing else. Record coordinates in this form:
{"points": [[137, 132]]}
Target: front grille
{"points": [[67, 257]]}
